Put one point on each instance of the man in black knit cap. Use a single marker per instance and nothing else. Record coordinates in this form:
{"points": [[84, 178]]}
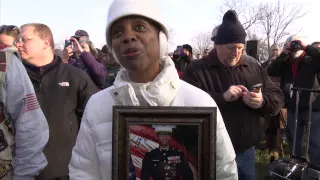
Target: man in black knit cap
{"points": [[241, 88], [185, 59]]}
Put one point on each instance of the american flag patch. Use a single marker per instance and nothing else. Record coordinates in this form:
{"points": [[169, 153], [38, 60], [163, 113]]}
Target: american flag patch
{"points": [[31, 102]]}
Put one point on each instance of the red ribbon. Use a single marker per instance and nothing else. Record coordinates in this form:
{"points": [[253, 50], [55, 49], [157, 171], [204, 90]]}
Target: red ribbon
{"points": [[294, 67]]}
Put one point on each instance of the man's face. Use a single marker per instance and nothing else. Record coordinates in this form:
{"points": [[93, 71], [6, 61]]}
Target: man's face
{"points": [[164, 139], [135, 42], [230, 54], [30, 45], [206, 52], [186, 52], [84, 45], [7, 40], [275, 51]]}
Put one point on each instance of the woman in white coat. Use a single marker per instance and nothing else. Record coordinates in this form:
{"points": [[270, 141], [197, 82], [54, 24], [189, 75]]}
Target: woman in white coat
{"points": [[138, 40]]}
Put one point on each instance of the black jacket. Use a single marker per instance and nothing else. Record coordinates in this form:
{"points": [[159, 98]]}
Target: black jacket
{"points": [[165, 164], [244, 124], [308, 76], [62, 91]]}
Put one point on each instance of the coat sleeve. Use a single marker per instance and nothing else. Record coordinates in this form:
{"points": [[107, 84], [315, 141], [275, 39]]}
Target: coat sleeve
{"points": [[314, 53], [84, 164], [96, 70], [192, 77], [225, 156], [146, 167], [275, 69], [272, 96], [86, 89], [31, 127]]}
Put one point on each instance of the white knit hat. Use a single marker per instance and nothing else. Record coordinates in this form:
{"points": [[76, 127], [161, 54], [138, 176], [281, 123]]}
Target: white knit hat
{"points": [[295, 37], [146, 8]]}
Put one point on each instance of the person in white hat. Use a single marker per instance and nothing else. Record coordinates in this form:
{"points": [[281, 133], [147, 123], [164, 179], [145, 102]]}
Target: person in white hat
{"points": [[138, 39], [165, 162]]}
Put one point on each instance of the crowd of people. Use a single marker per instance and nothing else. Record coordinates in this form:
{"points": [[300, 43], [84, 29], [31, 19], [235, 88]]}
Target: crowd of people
{"points": [[56, 105]]}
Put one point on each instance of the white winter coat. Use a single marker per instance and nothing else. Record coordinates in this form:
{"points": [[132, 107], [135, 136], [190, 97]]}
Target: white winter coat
{"points": [[92, 156]]}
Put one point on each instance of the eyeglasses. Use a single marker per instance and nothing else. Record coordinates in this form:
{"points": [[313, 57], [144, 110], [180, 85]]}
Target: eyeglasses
{"points": [[22, 40], [9, 28]]}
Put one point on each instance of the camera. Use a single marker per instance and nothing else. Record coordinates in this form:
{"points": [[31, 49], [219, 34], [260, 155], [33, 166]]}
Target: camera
{"points": [[295, 46], [67, 43]]}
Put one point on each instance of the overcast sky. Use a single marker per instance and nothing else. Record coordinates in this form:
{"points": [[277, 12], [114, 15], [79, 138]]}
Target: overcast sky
{"points": [[186, 17]]}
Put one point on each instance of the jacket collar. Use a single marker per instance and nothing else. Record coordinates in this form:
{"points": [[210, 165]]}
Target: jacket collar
{"points": [[160, 92], [213, 60], [37, 72]]}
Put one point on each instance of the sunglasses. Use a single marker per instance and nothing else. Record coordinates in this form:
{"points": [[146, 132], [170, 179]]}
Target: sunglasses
{"points": [[9, 28]]}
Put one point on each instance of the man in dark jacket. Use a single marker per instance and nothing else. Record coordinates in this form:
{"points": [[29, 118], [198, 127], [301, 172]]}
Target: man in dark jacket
{"points": [[229, 77], [298, 66], [62, 91]]}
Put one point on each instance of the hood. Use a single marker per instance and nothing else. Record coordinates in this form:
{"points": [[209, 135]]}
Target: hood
{"points": [[161, 91]]}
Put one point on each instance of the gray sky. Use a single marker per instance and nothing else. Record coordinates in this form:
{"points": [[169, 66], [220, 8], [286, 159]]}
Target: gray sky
{"points": [[186, 17]]}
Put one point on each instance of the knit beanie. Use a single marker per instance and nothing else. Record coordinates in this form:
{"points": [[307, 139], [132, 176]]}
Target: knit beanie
{"points": [[188, 47], [214, 33], [231, 30], [145, 8]]}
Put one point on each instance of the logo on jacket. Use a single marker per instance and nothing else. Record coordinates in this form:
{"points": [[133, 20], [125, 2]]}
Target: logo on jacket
{"points": [[64, 84]]}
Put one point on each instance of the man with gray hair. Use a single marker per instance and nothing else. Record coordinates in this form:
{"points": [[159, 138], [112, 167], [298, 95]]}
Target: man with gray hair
{"points": [[213, 38], [298, 65], [242, 89]]}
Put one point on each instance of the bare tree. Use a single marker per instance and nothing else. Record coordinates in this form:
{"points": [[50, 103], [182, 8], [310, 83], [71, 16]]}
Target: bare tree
{"points": [[200, 42], [271, 22], [277, 19], [171, 35], [248, 13]]}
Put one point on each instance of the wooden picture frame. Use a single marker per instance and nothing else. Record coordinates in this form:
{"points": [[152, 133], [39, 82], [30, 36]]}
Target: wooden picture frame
{"points": [[131, 123]]}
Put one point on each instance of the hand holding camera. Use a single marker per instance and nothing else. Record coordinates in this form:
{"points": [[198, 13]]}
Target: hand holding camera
{"points": [[76, 44], [294, 46], [71, 46]]}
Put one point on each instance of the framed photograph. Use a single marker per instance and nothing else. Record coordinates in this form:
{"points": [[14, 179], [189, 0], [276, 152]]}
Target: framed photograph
{"points": [[164, 143]]}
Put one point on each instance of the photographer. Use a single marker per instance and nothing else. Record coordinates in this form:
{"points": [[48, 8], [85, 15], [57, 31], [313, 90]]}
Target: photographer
{"points": [[298, 66], [79, 51]]}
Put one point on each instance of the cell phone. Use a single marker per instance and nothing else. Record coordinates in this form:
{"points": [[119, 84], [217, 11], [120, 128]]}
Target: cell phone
{"points": [[256, 88]]}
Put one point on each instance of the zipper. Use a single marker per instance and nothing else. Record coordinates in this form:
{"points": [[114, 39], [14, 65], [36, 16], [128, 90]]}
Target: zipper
{"points": [[41, 95], [233, 82], [41, 70]]}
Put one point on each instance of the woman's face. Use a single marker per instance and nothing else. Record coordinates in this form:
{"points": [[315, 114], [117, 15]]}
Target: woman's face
{"points": [[135, 42], [7, 40], [84, 45]]}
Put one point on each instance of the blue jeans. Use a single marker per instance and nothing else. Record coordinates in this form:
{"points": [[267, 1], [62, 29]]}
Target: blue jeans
{"points": [[246, 164], [314, 143]]}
